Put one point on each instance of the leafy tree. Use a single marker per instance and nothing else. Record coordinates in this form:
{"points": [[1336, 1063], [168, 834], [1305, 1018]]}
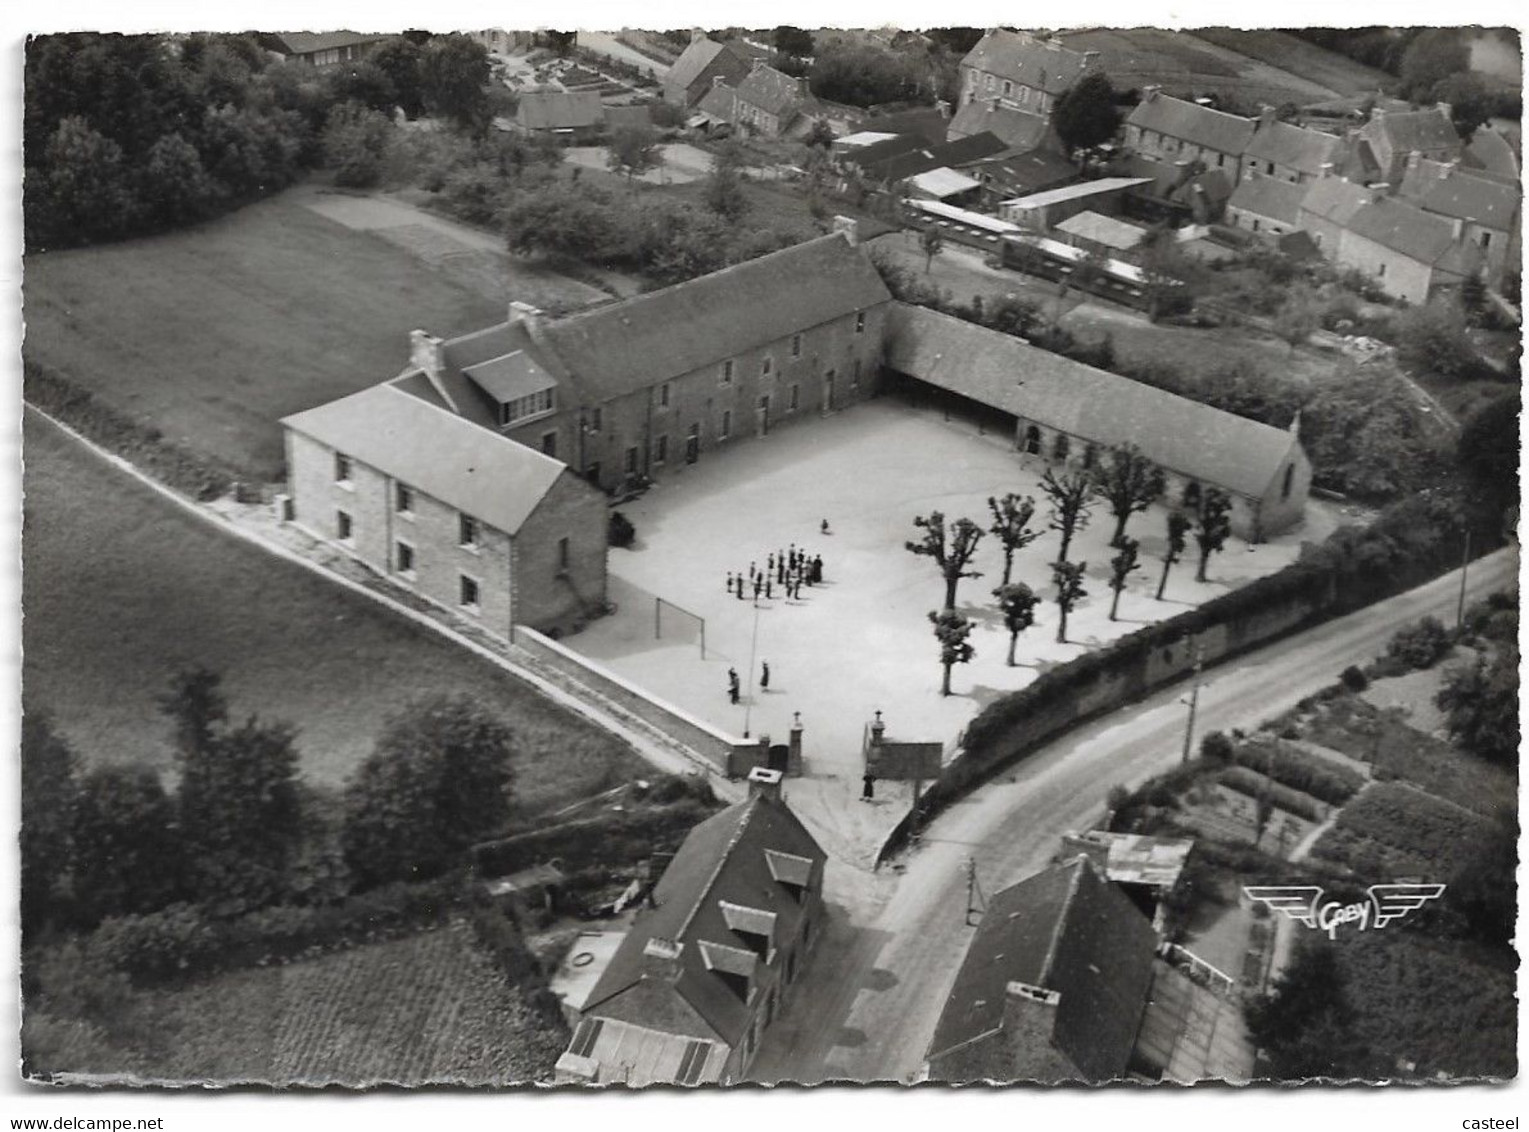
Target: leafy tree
{"points": [[634, 150], [1432, 57], [931, 242], [951, 550], [1017, 601], [1213, 523], [1472, 102], [820, 136], [438, 781], [1178, 527], [792, 41], [1488, 451], [865, 75], [1121, 567], [1305, 1023], [49, 791], [363, 82], [401, 60], [1361, 430], [1068, 579], [1011, 526], [1128, 482], [1069, 494], [454, 78], [179, 189], [1480, 702], [1434, 342], [127, 854], [81, 191], [1297, 318], [355, 143], [1086, 115], [723, 190], [238, 797], [951, 630], [1484, 889]]}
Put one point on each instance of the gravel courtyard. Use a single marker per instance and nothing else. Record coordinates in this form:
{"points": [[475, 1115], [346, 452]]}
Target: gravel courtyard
{"points": [[862, 640]]}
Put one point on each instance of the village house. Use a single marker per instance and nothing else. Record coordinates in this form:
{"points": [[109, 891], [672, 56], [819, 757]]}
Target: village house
{"points": [[1053, 986], [772, 103], [1411, 254], [460, 515], [698, 67], [1019, 130], [1069, 413], [1266, 206], [321, 49], [1014, 173], [1486, 208], [1042, 211], [1022, 71], [1172, 130], [691, 991], [1183, 192], [1288, 152], [1101, 235], [877, 167], [572, 117], [1389, 137], [1326, 208]]}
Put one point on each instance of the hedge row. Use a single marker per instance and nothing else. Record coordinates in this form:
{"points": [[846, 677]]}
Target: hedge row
{"points": [[1311, 774], [1255, 785], [610, 836], [185, 471]]}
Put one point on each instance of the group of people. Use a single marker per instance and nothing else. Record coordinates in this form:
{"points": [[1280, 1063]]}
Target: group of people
{"points": [[788, 570], [732, 681]]}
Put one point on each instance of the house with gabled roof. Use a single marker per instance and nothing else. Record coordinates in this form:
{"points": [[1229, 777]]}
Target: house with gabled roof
{"points": [[1069, 413], [1487, 208], [1266, 206], [707, 968], [1410, 253], [1326, 208], [321, 48], [1017, 129], [1288, 152], [570, 116], [1019, 172], [1169, 129], [1391, 136], [1022, 71], [772, 103], [702, 63], [1053, 986]]}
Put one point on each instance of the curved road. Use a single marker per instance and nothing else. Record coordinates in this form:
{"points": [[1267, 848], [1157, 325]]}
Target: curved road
{"points": [[868, 1004]]}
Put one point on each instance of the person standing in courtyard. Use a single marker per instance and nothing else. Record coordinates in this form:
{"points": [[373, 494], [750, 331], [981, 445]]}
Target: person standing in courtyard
{"points": [[824, 528], [758, 585], [729, 582], [764, 675], [769, 594], [732, 685], [817, 568]]}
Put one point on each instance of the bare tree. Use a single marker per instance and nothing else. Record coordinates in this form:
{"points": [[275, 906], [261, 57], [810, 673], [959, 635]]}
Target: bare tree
{"points": [[1122, 566], [1018, 602], [1178, 527], [1011, 526], [950, 553], [1213, 523], [1069, 495], [931, 242], [1068, 577], [1128, 482], [951, 630]]}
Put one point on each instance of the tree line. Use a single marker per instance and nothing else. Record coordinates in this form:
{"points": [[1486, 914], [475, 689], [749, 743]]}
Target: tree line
{"points": [[1126, 482]]}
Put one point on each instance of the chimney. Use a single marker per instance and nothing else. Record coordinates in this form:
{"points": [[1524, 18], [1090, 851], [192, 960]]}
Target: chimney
{"points": [[526, 315], [1413, 156], [1446, 109], [878, 730], [426, 352], [718, 80], [803, 89], [942, 107], [1456, 227], [1326, 170], [764, 782], [1265, 115], [661, 958], [1378, 114], [794, 757], [1379, 190], [849, 228], [696, 35], [1148, 93]]}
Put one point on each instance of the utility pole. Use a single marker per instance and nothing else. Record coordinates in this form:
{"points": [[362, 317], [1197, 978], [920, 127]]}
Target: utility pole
{"points": [[1465, 566], [1193, 702], [976, 903], [748, 704]]}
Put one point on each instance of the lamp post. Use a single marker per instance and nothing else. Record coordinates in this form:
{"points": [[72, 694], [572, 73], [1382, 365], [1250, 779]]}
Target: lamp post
{"points": [[748, 703], [1193, 702]]}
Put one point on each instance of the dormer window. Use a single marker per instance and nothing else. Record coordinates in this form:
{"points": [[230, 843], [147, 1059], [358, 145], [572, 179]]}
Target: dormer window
{"points": [[523, 408]]}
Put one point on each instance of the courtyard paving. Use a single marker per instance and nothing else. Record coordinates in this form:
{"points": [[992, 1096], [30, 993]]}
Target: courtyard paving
{"points": [[861, 642]]}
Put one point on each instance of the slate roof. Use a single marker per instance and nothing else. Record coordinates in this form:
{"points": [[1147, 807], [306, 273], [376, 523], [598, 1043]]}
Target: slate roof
{"points": [[718, 101], [1492, 154], [1335, 199], [1437, 187], [1191, 122], [1025, 59], [724, 859], [1174, 182], [1269, 196], [1427, 131], [441, 454], [1015, 128], [941, 183], [1407, 230], [559, 110], [514, 375], [912, 162], [925, 122], [1107, 230], [1081, 191], [630, 345], [1183, 436], [1069, 931], [1024, 171], [774, 92], [867, 156], [309, 42], [1295, 147], [696, 58]]}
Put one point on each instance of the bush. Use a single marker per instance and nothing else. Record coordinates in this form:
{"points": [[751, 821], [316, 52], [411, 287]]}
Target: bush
{"points": [[1420, 645], [621, 532], [1216, 747], [1323, 779], [1255, 785], [1354, 679]]}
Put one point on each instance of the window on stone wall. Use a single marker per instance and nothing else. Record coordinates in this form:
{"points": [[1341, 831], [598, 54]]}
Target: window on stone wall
{"points": [[404, 499], [727, 372], [341, 468], [661, 450], [344, 528], [796, 391], [727, 424], [467, 531], [1289, 480], [796, 345], [860, 322], [663, 395], [405, 558], [1061, 447], [564, 554], [467, 592], [631, 461]]}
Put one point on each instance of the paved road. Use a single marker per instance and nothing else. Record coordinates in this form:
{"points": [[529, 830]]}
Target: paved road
{"points": [[869, 1003], [607, 44]]}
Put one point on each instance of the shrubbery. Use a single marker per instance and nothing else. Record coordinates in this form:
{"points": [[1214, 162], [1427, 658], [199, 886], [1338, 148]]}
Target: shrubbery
{"points": [[1421, 644], [1255, 785], [1323, 779]]}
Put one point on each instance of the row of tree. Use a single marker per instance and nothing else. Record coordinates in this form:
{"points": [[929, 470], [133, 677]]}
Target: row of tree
{"points": [[241, 830], [1126, 481]]}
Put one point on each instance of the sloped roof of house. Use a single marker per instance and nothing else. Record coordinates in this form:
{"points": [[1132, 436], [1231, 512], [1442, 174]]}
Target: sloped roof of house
{"points": [[696, 58], [559, 110], [1452, 192], [1081, 191], [1427, 131], [724, 860], [1107, 230], [873, 154], [1025, 171], [925, 122], [1334, 199], [1405, 229], [444, 455], [1492, 154], [635, 343], [718, 102], [1269, 196], [1294, 146], [774, 92], [638, 114], [941, 183], [1174, 182], [1069, 931], [1015, 128], [910, 163], [1021, 57], [1183, 436], [309, 42], [512, 376], [1191, 122]]}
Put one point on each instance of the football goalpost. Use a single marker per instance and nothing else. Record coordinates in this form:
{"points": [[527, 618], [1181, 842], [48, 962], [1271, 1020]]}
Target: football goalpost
{"points": [[678, 622]]}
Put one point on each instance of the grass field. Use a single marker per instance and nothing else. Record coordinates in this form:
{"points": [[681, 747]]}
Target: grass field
{"points": [[121, 589], [212, 334], [428, 1009], [1337, 73]]}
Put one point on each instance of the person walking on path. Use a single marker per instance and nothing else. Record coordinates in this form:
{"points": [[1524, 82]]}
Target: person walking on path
{"points": [[824, 528], [817, 568], [732, 684], [764, 675], [752, 572]]}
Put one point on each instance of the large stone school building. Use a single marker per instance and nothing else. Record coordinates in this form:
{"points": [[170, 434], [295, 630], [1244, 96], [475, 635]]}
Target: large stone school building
{"points": [[481, 476]]}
